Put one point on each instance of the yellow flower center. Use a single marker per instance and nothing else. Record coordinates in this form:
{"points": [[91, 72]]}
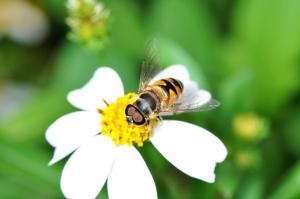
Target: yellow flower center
{"points": [[115, 126]]}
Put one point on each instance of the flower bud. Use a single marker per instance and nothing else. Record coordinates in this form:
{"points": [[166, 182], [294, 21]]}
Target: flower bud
{"points": [[88, 20]]}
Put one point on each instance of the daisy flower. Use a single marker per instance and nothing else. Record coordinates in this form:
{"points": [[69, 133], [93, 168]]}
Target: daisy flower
{"points": [[104, 144]]}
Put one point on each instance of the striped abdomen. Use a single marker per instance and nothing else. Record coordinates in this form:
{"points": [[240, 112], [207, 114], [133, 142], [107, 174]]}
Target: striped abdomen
{"points": [[162, 93]]}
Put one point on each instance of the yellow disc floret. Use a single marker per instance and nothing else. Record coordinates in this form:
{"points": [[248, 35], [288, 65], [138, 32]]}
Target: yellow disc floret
{"points": [[115, 126]]}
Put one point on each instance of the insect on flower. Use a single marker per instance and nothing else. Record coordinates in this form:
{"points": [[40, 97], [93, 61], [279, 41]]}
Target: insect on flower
{"points": [[162, 97], [127, 121]]}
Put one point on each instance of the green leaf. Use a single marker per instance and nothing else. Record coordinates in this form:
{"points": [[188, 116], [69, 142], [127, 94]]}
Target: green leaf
{"points": [[74, 65], [269, 31], [127, 32], [125, 65], [189, 24], [56, 9], [228, 179], [235, 95], [290, 132], [288, 187], [25, 166], [251, 188]]}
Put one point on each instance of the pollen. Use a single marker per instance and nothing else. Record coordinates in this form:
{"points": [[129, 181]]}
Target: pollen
{"points": [[114, 123]]}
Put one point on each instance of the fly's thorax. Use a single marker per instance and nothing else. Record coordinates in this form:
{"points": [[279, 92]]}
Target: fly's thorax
{"points": [[150, 101]]}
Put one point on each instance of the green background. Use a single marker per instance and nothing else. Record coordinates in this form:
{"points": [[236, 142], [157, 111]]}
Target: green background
{"points": [[247, 53]]}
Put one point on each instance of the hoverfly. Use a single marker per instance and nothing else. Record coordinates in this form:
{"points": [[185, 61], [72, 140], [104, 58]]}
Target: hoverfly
{"points": [[168, 95]]}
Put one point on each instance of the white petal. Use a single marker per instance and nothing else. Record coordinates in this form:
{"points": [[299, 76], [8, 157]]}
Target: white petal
{"points": [[70, 131], [130, 177], [190, 148], [105, 84], [177, 71], [193, 95], [88, 168]]}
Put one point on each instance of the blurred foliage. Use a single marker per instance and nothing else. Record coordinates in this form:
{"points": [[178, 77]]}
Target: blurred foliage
{"points": [[247, 53]]}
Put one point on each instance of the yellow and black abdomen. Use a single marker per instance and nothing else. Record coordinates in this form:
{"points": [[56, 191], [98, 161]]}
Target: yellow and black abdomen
{"points": [[168, 90]]}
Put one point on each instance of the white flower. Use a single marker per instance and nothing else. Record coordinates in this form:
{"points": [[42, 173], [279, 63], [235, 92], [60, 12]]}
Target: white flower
{"points": [[190, 148]]}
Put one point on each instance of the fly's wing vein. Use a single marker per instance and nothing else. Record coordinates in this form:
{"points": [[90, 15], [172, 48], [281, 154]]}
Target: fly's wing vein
{"points": [[150, 66]]}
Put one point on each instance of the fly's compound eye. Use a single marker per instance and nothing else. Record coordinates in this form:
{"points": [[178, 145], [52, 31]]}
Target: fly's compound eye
{"points": [[137, 117], [130, 110], [134, 116]]}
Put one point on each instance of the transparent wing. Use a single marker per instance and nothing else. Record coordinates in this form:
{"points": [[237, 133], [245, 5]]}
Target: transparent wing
{"points": [[195, 103], [150, 65]]}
